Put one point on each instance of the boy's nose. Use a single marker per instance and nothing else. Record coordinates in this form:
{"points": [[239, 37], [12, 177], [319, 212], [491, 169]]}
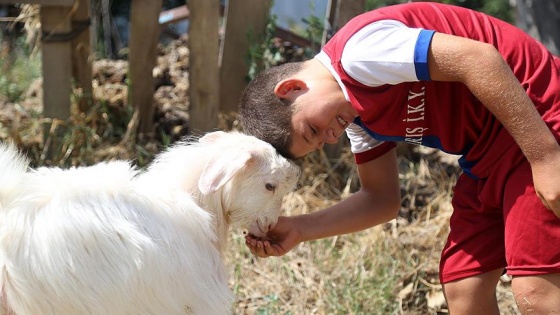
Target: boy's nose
{"points": [[331, 137]]}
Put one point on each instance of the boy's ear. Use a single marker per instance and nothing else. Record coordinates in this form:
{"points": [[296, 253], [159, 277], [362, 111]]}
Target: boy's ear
{"points": [[285, 87]]}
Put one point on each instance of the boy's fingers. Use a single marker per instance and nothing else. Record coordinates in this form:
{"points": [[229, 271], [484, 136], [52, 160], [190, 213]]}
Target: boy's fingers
{"points": [[257, 248], [274, 249], [269, 250], [262, 248]]}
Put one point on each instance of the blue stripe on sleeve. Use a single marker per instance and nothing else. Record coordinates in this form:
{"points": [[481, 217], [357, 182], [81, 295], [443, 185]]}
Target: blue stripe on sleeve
{"points": [[421, 54]]}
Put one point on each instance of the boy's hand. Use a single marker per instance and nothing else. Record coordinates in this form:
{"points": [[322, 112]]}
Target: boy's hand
{"points": [[280, 240], [263, 248]]}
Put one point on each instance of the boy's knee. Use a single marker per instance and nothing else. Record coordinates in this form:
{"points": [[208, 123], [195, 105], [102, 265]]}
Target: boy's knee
{"points": [[473, 295], [462, 292], [537, 294]]}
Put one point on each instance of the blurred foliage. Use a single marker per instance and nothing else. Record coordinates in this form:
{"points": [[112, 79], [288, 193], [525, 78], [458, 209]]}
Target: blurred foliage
{"points": [[314, 31], [266, 52], [19, 67], [263, 53]]}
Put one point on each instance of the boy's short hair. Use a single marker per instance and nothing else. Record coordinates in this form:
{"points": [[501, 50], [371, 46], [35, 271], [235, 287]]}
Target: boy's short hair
{"points": [[264, 115]]}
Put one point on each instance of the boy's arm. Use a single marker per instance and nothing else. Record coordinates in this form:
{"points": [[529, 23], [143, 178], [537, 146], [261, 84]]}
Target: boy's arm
{"points": [[378, 201], [483, 70]]}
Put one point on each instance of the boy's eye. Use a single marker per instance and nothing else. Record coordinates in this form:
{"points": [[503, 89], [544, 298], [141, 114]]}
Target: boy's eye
{"points": [[313, 131]]}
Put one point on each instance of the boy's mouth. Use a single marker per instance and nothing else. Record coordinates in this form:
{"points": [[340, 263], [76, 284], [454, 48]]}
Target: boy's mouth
{"points": [[342, 122]]}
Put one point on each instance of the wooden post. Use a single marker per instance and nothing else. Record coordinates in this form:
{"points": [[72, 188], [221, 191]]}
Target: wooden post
{"points": [[81, 55], [203, 71], [144, 34], [241, 31], [62, 56], [57, 70]]}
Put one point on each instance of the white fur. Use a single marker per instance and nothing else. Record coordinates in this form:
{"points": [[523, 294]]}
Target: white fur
{"points": [[110, 239]]}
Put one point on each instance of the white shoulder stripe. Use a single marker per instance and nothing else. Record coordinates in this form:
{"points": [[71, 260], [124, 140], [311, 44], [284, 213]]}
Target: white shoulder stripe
{"points": [[381, 53], [360, 141]]}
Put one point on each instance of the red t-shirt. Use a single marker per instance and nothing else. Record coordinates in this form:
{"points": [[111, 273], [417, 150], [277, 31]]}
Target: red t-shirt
{"points": [[445, 115]]}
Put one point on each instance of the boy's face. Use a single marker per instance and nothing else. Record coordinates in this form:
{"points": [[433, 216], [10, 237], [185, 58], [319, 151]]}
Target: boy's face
{"points": [[316, 124], [321, 112]]}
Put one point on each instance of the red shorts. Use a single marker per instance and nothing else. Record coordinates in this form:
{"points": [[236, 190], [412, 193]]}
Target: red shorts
{"points": [[499, 222]]}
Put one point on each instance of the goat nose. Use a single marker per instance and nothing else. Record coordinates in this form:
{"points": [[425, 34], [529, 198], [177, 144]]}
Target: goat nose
{"points": [[271, 223]]}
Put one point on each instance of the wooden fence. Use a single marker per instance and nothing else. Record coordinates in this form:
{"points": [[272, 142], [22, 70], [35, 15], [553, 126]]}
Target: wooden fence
{"points": [[217, 72], [66, 52]]}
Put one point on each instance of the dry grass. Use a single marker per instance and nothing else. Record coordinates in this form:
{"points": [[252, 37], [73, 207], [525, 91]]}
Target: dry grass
{"points": [[389, 269]]}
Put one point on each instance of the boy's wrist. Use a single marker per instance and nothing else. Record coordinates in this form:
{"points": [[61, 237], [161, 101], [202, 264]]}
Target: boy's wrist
{"points": [[305, 226]]}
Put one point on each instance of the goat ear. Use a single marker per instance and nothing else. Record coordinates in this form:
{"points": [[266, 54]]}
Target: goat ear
{"points": [[212, 136], [220, 169]]}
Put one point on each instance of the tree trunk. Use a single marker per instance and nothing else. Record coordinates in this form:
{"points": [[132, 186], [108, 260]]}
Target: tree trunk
{"points": [[241, 31], [541, 19], [348, 9], [144, 34]]}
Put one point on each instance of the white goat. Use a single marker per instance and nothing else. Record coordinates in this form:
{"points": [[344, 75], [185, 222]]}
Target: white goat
{"points": [[109, 239]]}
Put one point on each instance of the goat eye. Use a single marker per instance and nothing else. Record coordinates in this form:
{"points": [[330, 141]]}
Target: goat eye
{"points": [[270, 187]]}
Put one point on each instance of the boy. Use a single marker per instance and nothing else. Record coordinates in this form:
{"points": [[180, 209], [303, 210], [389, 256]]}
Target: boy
{"points": [[444, 77]]}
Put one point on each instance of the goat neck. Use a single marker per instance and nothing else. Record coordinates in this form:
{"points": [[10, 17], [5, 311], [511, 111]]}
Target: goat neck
{"points": [[178, 170]]}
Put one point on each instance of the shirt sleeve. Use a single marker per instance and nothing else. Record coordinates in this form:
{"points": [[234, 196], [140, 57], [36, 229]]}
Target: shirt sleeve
{"points": [[387, 52], [365, 147]]}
